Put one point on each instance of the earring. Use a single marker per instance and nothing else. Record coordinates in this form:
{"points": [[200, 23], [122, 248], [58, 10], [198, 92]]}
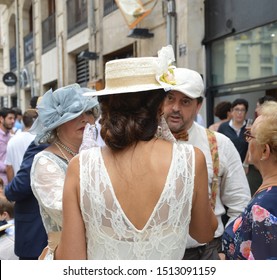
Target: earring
{"points": [[159, 132]]}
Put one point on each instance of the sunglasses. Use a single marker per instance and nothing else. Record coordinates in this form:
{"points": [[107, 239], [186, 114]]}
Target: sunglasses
{"points": [[248, 136]]}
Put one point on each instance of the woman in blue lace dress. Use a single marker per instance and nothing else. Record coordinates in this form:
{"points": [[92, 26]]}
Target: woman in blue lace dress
{"points": [[253, 235]]}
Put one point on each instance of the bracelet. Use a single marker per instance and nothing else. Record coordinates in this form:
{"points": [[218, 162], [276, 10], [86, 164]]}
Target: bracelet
{"points": [[245, 165]]}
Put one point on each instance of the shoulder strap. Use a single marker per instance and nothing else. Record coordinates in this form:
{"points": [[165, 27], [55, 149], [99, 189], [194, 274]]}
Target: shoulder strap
{"points": [[215, 159]]}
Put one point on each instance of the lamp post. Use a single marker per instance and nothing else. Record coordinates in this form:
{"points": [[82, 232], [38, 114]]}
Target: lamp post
{"points": [[171, 24], [17, 54]]}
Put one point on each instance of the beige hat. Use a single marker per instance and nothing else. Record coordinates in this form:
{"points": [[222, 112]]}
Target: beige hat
{"points": [[130, 75], [138, 74]]}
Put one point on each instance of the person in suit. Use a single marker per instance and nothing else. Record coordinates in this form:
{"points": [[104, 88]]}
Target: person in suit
{"points": [[30, 234], [236, 126]]}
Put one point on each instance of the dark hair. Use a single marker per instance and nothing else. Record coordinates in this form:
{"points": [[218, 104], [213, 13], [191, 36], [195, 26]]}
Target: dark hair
{"points": [[265, 98], [221, 109], [33, 102], [240, 101], [129, 117], [5, 111], [29, 117], [17, 111], [199, 100]]}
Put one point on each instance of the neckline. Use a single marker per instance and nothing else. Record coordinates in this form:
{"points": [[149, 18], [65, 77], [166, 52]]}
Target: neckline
{"points": [[60, 144], [61, 151], [261, 189], [51, 154], [167, 181]]}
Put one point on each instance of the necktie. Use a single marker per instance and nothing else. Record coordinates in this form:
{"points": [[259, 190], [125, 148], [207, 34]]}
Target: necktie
{"points": [[183, 136]]}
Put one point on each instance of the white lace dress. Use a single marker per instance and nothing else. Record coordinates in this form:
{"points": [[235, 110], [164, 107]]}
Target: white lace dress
{"points": [[47, 180], [109, 233]]}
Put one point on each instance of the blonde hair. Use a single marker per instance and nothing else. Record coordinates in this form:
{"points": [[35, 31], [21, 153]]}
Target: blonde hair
{"points": [[266, 131]]}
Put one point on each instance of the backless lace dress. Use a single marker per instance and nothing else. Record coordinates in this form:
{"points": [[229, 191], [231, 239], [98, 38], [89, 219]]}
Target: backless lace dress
{"points": [[111, 235]]}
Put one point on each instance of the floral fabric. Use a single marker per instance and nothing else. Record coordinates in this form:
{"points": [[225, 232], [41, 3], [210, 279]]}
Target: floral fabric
{"points": [[253, 235]]}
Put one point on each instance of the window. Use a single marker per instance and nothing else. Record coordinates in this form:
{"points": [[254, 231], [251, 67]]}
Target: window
{"points": [[109, 6], [76, 15], [239, 57], [82, 71]]}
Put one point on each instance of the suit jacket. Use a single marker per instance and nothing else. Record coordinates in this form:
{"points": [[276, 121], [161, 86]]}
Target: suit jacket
{"points": [[30, 235]]}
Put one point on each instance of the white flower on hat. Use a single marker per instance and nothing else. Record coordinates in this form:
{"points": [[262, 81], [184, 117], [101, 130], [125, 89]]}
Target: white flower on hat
{"points": [[165, 71], [184, 80]]}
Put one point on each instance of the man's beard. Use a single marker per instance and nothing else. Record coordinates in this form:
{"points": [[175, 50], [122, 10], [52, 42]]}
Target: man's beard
{"points": [[8, 127]]}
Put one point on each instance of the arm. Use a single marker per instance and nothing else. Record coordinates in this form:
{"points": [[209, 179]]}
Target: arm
{"points": [[203, 221], [20, 187], [2, 166], [235, 191], [9, 160], [10, 173], [73, 225], [47, 180]]}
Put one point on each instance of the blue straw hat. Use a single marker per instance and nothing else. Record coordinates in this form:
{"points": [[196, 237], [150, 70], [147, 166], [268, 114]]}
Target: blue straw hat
{"points": [[58, 107]]}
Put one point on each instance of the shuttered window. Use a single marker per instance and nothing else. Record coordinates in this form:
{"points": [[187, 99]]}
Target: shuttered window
{"points": [[82, 71]]}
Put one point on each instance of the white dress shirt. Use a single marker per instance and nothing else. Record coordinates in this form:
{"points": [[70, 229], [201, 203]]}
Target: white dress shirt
{"points": [[233, 188]]}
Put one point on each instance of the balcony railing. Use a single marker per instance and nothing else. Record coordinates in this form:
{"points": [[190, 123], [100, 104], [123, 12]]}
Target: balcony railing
{"points": [[13, 62], [76, 16], [109, 6], [28, 47], [49, 31]]}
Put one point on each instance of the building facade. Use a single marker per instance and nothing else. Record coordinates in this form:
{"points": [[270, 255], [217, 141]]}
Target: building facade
{"points": [[49, 43]]}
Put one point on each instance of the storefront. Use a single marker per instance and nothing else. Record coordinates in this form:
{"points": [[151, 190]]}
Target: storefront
{"points": [[241, 49]]}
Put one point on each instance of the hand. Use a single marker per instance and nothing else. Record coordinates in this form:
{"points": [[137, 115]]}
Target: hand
{"points": [[222, 256]]}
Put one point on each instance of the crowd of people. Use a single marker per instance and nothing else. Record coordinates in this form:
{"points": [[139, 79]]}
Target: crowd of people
{"points": [[129, 173]]}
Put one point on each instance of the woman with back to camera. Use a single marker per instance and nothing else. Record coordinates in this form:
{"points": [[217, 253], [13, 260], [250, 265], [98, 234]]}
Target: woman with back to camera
{"points": [[138, 197], [62, 117], [253, 235]]}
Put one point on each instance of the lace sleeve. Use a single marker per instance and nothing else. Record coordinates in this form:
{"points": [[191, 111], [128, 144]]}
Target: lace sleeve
{"points": [[47, 179]]}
